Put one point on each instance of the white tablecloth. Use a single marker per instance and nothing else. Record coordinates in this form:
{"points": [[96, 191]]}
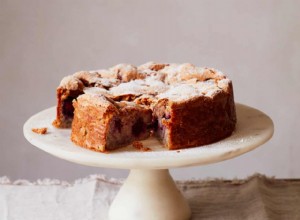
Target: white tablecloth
{"points": [[258, 197]]}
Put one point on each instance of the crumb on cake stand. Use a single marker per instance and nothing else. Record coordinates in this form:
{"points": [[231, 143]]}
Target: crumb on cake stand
{"points": [[150, 192]]}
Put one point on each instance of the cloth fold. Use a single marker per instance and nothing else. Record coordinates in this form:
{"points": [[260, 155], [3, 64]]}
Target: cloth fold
{"points": [[257, 197]]}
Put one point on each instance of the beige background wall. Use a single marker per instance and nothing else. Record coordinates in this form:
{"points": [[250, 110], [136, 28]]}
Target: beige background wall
{"points": [[257, 43]]}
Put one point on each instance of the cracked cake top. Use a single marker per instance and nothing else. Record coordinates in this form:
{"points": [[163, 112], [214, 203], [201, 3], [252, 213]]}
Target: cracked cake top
{"points": [[156, 81]]}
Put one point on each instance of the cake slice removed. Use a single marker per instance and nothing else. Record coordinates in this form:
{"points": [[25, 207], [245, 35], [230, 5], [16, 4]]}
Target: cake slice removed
{"points": [[102, 124]]}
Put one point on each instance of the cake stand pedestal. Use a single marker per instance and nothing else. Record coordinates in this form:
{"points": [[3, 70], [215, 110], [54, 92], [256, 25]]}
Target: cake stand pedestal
{"points": [[149, 194], [149, 191]]}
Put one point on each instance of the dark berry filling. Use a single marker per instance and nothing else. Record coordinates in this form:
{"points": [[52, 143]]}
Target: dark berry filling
{"points": [[138, 128], [67, 108], [166, 116], [118, 125]]}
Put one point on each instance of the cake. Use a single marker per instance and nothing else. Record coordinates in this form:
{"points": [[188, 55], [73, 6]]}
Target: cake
{"points": [[180, 104]]}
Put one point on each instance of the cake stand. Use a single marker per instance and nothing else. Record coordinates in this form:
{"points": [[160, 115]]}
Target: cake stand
{"points": [[149, 191]]}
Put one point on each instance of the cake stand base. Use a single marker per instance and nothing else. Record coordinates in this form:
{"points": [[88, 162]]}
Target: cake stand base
{"points": [[149, 194]]}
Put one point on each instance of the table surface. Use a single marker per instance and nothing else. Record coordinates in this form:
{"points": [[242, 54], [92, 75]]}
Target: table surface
{"points": [[253, 129], [257, 197]]}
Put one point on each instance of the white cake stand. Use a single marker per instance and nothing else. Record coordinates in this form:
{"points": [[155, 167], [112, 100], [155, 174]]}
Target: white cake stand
{"points": [[149, 191]]}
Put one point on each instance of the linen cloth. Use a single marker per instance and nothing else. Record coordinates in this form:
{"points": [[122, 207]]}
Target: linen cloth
{"points": [[257, 197]]}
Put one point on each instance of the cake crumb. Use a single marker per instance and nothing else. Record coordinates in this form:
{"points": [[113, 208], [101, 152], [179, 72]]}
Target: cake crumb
{"points": [[39, 130], [139, 146], [178, 151]]}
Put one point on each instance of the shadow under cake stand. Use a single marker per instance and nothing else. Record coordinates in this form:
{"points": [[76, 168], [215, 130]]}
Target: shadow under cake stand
{"points": [[149, 192]]}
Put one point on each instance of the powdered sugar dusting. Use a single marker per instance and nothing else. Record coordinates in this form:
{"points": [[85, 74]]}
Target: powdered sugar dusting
{"points": [[177, 73], [106, 82], [95, 91], [71, 83], [139, 87], [123, 67], [207, 88], [136, 87], [223, 83], [185, 91], [93, 99], [177, 82], [155, 86], [179, 92]]}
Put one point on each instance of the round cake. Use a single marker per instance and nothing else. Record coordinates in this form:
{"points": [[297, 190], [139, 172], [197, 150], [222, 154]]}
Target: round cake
{"points": [[180, 104]]}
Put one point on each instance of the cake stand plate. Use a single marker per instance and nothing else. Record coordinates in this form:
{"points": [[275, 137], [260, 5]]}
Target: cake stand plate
{"points": [[149, 191]]}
